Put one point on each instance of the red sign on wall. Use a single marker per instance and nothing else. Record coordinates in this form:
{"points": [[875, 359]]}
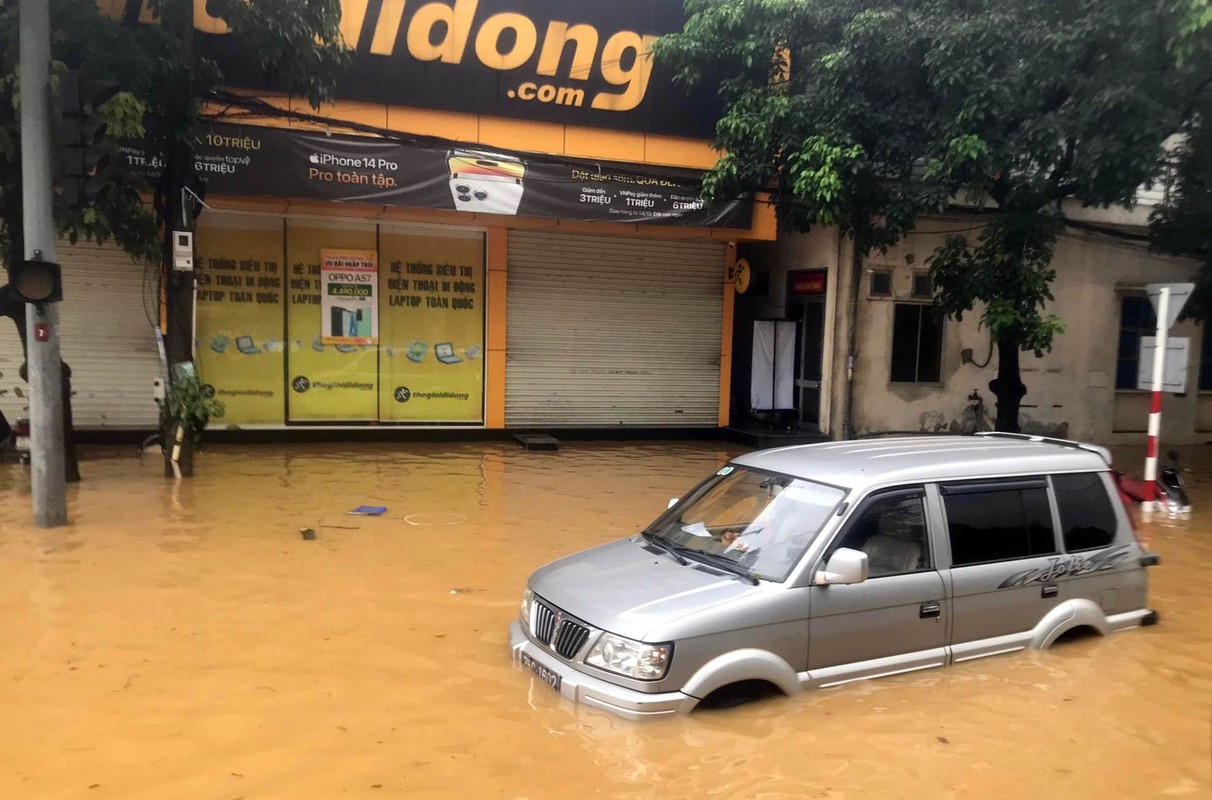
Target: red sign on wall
{"points": [[808, 282]]}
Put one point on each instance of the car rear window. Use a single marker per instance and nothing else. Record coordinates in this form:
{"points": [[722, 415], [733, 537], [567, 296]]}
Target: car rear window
{"points": [[1087, 518], [990, 522]]}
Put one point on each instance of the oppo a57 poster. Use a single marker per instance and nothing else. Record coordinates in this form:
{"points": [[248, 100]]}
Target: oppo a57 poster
{"points": [[348, 306]]}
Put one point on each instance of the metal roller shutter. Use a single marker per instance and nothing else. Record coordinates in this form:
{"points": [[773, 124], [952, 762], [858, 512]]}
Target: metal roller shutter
{"points": [[106, 338], [607, 331]]}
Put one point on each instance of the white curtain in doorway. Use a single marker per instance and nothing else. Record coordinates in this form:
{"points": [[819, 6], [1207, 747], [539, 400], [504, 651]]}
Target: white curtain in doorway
{"points": [[772, 387]]}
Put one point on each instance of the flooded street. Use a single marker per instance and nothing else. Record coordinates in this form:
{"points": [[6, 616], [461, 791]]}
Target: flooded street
{"points": [[187, 642]]}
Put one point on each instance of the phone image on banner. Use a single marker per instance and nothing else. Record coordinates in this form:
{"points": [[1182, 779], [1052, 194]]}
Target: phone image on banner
{"points": [[361, 327], [343, 322], [486, 182]]}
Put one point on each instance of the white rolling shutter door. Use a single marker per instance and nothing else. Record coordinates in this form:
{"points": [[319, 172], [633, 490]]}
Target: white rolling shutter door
{"points": [[611, 331], [105, 336]]}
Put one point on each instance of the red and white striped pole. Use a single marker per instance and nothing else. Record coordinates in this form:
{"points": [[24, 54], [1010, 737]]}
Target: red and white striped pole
{"points": [[1159, 358]]}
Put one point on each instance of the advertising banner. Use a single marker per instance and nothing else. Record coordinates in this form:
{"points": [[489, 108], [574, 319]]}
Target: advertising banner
{"points": [[425, 314], [431, 354], [325, 382], [564, 61], [254, 161], [239, 319], [349, 280]]}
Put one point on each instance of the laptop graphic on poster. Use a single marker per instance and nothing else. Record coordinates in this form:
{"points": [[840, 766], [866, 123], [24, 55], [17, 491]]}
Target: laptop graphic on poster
{"points": [[445, 353], [246, 345]]}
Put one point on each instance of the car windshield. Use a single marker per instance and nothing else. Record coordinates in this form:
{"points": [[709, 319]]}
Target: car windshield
{"points": [[760, 521]]}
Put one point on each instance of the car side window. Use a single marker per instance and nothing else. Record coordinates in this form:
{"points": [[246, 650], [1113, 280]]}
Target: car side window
{"points": [[891, 530], [992, 521], [1087, 518]]}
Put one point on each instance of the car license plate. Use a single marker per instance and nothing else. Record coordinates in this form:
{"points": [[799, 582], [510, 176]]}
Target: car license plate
{"points": [[22, 443], [547, 676]]}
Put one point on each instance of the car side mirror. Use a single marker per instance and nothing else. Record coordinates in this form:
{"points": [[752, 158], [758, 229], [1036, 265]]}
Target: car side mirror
{"points": [[673, 501], [844, 566]]}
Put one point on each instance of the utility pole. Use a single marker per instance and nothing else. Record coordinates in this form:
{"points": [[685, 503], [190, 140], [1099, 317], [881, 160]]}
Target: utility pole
{"points": [[1168, 300], [1155, 407], [42, 319]]}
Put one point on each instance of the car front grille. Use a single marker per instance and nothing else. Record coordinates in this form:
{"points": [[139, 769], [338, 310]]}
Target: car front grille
{"points": [[561, 634]]}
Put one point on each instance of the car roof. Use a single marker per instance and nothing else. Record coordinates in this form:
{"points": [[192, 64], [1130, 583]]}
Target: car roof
{"points": [[878, 462]]}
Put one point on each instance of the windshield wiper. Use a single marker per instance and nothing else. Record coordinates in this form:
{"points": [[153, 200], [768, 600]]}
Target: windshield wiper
{"points": [[723, 562], [671, 549]]}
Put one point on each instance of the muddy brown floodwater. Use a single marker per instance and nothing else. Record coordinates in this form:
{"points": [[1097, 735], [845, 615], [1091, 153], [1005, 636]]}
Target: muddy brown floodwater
{"points": [[187, 642]]}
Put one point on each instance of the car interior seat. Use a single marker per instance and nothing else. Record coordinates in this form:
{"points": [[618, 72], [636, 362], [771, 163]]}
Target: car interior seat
{"points": [[898, 545]]}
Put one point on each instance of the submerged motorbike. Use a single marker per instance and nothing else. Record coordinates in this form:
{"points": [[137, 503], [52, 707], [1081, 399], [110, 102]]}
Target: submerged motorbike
{"points": [[1169, 489]]}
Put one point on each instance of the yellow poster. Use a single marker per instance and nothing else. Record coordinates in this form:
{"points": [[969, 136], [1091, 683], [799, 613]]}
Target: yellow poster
{"points": [[431, 331], [325, 382], [239, 318]]}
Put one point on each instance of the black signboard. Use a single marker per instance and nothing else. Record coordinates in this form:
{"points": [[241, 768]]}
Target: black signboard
{"points": [[567, 61], [278, 162]]}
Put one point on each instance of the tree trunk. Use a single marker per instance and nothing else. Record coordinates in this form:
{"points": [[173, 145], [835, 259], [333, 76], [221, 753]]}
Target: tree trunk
{"points": [[1008, 386], [185, 455], [857, 258], [71, 463]]}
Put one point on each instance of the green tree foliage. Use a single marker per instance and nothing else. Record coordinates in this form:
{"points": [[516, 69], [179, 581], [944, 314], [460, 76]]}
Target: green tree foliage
{"points": [[1071, 104], [165, 83], [1017, 109], [1182, 225], [81, 35], [825, 107]]}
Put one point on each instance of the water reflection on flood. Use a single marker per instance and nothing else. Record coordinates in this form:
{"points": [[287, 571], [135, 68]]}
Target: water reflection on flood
{"points": [[187, 642]]}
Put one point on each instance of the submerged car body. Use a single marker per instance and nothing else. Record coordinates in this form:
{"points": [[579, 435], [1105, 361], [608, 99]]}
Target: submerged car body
{"points": [[817, 565]]}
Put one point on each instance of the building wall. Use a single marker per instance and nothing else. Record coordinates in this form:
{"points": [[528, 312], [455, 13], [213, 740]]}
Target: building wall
{"points": [[1070, 391], [772, 264]]}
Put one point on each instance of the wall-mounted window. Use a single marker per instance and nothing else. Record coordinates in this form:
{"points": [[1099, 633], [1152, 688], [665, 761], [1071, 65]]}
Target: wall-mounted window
{"points": [[1205, 359], [1136, 319], [917, 343], [922, 289], [881, 283]]}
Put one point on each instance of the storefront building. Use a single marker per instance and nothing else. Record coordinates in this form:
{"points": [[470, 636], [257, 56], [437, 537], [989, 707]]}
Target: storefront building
{"points": [[498, 225], [526, 231]]}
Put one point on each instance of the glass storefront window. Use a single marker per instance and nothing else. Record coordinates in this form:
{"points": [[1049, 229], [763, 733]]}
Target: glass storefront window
{"points": [[261, 329], [326, 382], [241, 294], [431, 334]]}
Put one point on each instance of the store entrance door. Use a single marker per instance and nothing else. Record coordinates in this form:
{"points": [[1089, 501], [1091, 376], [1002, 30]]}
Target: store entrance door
{"points": [[806, 304]]}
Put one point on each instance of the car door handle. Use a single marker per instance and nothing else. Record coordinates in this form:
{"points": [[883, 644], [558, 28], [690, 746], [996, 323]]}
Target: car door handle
{"points": [[1051, 590], [929, 610]]}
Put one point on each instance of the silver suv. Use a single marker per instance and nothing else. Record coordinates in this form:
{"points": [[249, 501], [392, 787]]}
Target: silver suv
{"points": [[818, 565]]}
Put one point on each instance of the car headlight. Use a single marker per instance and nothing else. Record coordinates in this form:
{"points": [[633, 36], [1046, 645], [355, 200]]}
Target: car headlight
{"points": [[648, 662], [524, 610]]}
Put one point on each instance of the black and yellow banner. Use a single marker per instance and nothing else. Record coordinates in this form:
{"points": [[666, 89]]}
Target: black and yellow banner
{"points": [[254, 161], [565, 61]]}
